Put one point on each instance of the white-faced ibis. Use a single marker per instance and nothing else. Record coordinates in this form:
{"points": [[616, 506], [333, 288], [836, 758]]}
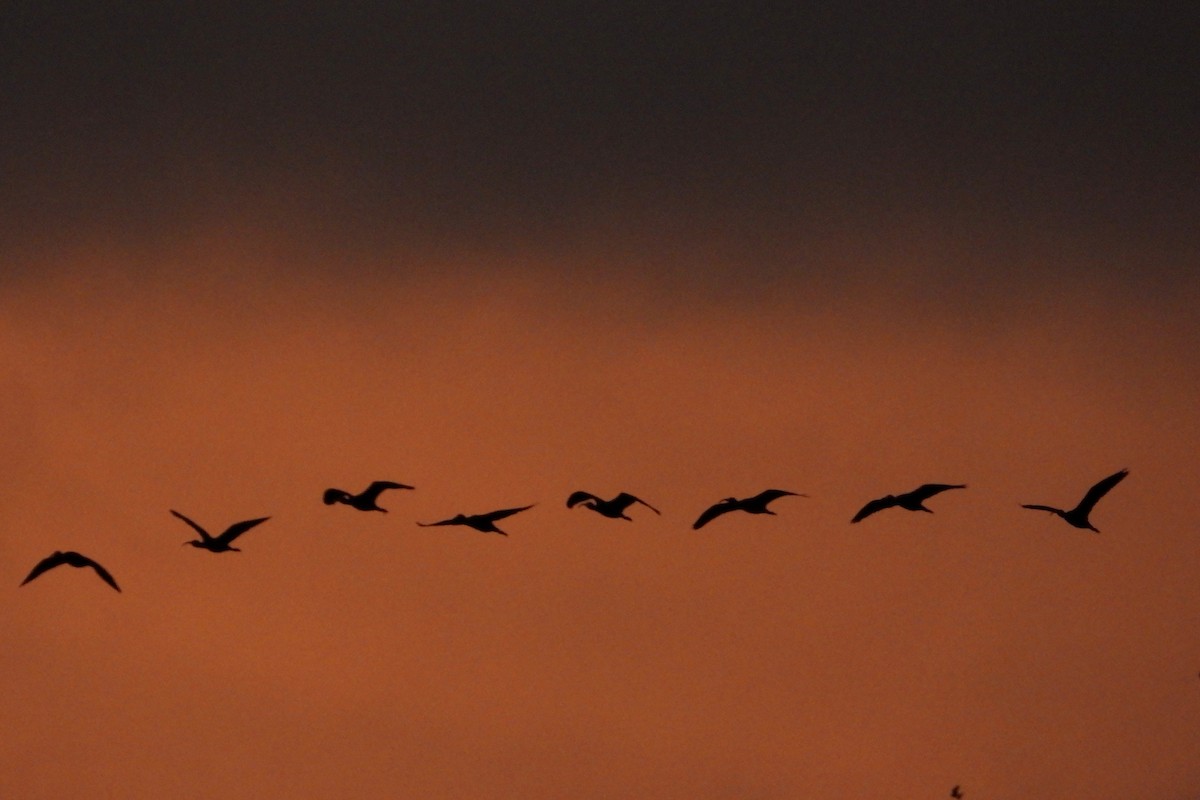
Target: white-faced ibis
{"points": [[614, 508], [73, 559], [484, 523], [367, 500], [913, 501], [224, 542], [1078, 516], [751, 505]]}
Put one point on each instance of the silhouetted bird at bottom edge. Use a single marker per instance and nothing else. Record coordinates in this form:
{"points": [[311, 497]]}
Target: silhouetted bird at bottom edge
{"points": [[751, 505], [956, 793], [484, 523], [71, 558]]}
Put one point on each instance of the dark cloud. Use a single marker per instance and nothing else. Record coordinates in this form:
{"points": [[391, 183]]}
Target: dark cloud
{"points": [[748, 126]]}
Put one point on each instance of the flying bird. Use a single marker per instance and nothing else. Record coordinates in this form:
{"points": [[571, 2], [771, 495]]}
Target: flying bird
{"points": [[71, 558], [614, 509], [484, 523], [1078, 516], [751, 505], [224, 542], [367, 500], [956, 792], [913, 501]]}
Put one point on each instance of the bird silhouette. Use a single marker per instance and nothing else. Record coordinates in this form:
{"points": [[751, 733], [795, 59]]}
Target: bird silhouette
{"points": [[71, 558], [367, 500], [956, 792], [484, 523], [751, 505], [224, 542], [1078, 516], [614, 508], [913, 501]]}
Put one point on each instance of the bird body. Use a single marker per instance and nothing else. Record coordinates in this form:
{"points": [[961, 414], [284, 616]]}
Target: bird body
{"points": [[73, 559], [224, 542], [912, 501], [484, 523], [614, 508], [367, 500], [1078, 516], [751, 505]]}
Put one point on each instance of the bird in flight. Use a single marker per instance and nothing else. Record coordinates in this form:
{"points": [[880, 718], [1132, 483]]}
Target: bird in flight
{"points": [[1078, 516], [751, 505], [484, 523], [913, 501], [614, 508], [71, 558], [956, 792], [367, 500], [224, 542]]}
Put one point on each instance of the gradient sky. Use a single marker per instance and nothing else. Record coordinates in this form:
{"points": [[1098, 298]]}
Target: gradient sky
{"points": [[248, 253]]}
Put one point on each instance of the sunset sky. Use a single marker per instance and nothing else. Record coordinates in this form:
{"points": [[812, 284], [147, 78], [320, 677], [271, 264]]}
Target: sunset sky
{"points": [[688, 251]]}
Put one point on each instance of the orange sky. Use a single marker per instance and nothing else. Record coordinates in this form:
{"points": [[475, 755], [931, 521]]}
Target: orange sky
{"points": [[345, 654], [503, 252]]}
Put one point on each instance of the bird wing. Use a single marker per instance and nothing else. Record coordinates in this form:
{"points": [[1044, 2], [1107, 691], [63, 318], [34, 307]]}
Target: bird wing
{"points": [[1099, 490], [505, 512], [451, 521], [373, 491], [624, 500], [769, 495], [578, 497], [928, 490], [103, 573], [47, 563], [238, 528], [712, 512], [203, 533], [1051, 509], [879, 504]]}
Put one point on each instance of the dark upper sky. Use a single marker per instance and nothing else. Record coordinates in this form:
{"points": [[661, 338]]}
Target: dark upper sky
{"points": [[459, 117]]}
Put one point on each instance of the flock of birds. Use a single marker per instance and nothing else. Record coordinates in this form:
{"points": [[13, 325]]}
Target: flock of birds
{"points": [[615, 508], [368, 500]]}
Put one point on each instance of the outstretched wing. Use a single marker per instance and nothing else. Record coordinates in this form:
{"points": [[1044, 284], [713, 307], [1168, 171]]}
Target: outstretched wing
{"points": [[712, 512], [373, 491], [1099, 490], [505, 512], [238, 528], [103, 573], [928, 490], [203, 533], [578, 497], [452, 521], [769, 495], [624, 500], [47, 563], [870, 508], [1051, 509]]}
